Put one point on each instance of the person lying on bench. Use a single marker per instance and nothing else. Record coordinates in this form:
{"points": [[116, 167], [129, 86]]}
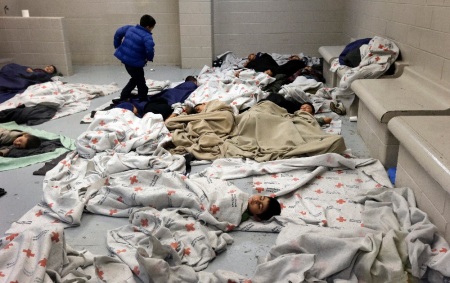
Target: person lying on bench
{"points": [[16, 139]]}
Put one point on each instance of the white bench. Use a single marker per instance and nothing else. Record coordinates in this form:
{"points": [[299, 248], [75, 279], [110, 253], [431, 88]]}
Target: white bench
{"points": [[380, 100], [424, 164], [329, 53]]}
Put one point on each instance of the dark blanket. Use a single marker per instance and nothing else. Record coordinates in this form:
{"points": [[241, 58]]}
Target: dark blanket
{"points": [[34, 115], [46, 146], [50, 165], [15, 79]]}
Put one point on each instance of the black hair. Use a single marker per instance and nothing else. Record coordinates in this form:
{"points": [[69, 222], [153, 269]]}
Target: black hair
{"points": [[274, 208], [32, 141], [312, 106], [147, 21], [190, 79]]}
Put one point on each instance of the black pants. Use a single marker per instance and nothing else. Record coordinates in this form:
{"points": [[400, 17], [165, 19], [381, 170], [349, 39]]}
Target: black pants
{"points": [[137, 79]]}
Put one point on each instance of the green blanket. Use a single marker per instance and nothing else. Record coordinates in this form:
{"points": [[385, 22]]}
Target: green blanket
{"points": [[8, 163]]}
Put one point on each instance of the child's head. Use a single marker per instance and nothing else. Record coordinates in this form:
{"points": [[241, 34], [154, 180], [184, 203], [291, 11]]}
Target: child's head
{"points": [[147, 21], [50, 69], [191, 79], [251, 56], [199, 107], [27, 141], [308, 107], [263, 207]]}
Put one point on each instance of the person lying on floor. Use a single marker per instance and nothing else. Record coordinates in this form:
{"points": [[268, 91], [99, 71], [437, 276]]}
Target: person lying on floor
{"points": [[293, 106], [15, 78], [263, 62], [167, 103], [16, 139], [261, 208]]}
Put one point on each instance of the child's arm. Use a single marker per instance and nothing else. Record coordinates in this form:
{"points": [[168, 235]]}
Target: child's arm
{"points": [[119, 35], [323, 120]]}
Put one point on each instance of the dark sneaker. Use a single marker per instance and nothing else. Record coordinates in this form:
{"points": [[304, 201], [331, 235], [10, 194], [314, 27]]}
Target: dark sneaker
{"points": [[337, 108]]}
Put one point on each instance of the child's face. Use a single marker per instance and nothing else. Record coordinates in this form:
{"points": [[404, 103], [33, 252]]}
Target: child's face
{"points": [[251, 57], [258, 204], [20, 142], [49, 69], [306, 108], [199, 107]]}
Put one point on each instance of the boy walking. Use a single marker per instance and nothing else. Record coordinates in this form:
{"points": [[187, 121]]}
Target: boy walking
{"points": [[134, 47]]}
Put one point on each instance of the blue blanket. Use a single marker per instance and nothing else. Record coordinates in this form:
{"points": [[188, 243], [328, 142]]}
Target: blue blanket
{"points": [[15, 79]]}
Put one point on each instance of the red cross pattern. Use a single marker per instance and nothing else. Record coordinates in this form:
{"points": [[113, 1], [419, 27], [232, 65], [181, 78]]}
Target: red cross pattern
{"points": [[174, 245], [325, 222], [339, 185], [2, 274], [187, 251], [443, 250], [39, 213], [107, 182], [230, 227], [120, 199], [136, 270], [318, 191], [144, 222], [43, 262], [116, 141], [214, 209], [99, 273], [50, 204], [340, 201], [133, 180], [282, 205], [190, 227], [55, 237], [202, 207], [8, 245], [274, 176], [102, 123], [258, 183], [295, 179], [319, 177], [231, 191], [171, 192], [259, 189], [303, 212], [69, 212], [341, 219], [112, 211], [28, 253], [95, 141], [339, 172], [358, 180], [138, 189], [121, 251]]}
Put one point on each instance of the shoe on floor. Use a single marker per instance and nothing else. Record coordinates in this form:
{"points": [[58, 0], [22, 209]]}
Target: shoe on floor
{"points": [[337, 108]]}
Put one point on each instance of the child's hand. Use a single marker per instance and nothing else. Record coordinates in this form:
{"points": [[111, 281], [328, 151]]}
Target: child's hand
{"points": [[29, 70], [327, 120]]}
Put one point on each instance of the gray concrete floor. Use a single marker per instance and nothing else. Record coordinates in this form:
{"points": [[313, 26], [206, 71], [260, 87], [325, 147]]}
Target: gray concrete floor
{"points": [[24, 190]]}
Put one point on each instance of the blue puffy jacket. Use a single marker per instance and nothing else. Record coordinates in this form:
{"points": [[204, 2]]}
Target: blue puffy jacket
{"points": [[134, 45]]}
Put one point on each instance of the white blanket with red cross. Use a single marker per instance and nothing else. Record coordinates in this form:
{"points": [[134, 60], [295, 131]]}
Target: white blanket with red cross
{"points": [[239, 92], [68, 98], [376, 58]]}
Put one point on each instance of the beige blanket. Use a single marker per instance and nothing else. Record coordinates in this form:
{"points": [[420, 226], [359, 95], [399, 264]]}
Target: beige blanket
{"points": [[202, 134], [265, 132]]}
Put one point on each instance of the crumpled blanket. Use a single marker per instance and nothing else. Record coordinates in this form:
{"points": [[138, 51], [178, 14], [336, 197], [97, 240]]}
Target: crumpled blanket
{"points": [[258, 133], [376, 58], [240, 93], [202, 134], [267, 132], [67, 98]]}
